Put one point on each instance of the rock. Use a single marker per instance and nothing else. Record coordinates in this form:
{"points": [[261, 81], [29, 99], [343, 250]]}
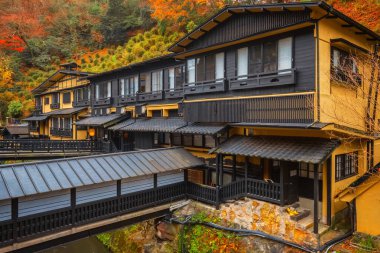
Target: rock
{"points": [[166, 231]]}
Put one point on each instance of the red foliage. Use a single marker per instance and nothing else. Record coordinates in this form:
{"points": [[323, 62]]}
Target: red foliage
{"points": [[13, 43], [366, 12]]}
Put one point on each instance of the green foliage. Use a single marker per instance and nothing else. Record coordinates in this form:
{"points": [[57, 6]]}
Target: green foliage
{"points": [[15, 109]]}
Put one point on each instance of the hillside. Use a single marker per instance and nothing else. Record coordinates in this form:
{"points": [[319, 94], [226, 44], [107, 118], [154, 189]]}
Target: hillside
{"points": [[38, 35]]}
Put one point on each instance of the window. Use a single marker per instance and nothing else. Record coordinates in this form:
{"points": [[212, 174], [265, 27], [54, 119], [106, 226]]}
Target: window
{"points": [[209, 141], [55, 123], [66, 123], [46, 101], [122, 86], [285, 54], [270, 57], [66, 97], [219, 66], [145, 82], [97, 91], [344, 67], [242, 62], [205, 68], [157, 81], [266, 57], [198, 140], [171, 79], [346, 165], [187, 140], [306, 170], [55, 98], [108, 91], [177, 139], [190, 71]]}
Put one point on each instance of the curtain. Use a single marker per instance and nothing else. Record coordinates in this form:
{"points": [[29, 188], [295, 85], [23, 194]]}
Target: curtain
{"points": [[242, 63], [285, 53]]}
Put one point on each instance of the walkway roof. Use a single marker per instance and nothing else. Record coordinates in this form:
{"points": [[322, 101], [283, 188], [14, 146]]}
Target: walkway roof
{"points": [[202, 128], [294, 149], [36, 118], [164, 125], [25, 179], [67, 111]]}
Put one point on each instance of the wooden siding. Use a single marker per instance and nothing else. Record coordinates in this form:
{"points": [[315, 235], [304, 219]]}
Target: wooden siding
{"points": [[282, 109], [170, 178], [246, 24], [43, 203], [5, 210], [143, 140], [136, 184], [96, 192]]}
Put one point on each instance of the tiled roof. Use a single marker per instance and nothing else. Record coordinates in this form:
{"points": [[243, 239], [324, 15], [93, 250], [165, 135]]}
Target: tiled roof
{"points": [[21, 129], [167, 125], [67, 111], [295, 149], [18, 180], [100, 120], [202, 128], [36, 118]]}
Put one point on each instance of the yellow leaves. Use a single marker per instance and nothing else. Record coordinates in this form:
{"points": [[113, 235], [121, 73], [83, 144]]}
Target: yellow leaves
{"points": [[6, 73]]}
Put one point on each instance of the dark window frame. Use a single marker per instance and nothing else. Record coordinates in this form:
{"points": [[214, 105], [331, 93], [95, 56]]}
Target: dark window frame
{"points": [[340, 72], [46, 100], [66, 97], [204, 70], [346, 165]]}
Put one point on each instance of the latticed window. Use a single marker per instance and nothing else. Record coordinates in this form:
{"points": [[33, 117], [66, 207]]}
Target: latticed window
{"points": [[346, 165]]}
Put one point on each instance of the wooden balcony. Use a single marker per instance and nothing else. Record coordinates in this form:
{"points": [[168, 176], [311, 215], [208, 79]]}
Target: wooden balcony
{"points": [[205, 87], [103, 101], [82, 103], [177, 93], [149, 96], [54, 105], [125, 99], [260, 80]]}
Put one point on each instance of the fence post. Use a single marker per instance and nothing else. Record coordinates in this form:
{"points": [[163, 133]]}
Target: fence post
{"points": [[118, 191], [186, 179], [73, 203], [155, 183], [217, 204], [246, 174], [14, 208]]}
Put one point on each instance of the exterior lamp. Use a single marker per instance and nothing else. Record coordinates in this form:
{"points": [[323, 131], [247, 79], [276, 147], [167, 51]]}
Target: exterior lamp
{"points": [[91, 132]]}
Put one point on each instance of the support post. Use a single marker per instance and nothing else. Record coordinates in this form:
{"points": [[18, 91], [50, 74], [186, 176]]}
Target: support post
{"points": [[217, 181], [329, 191], [282, 186], [118, 194], [186, 179], [221, 163], [14, 209], [217, 170], [155, 187], [316, 197], [246, 174], [233, 168], [73, 203]]}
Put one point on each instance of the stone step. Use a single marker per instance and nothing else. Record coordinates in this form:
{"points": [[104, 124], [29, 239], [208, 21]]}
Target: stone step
{"points": [[306, 222]]}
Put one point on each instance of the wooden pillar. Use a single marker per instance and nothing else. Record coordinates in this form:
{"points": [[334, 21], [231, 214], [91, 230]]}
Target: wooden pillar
{"points": [[233, 168], [217, 181], [73, 203], [246, 164], [14, 210], [329, 191], [221, 163], [155, 180], [316, 197], [282, 186], [217, 170], [186, 179]]}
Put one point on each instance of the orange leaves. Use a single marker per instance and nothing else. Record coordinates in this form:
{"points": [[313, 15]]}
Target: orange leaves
{"points": [[13, 43], [179, 12], [366, 12]]}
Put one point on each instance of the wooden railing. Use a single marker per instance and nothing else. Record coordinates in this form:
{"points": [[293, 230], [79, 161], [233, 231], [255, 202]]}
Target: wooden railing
{"points": [[35, 225], [270, 192], [33, 145]]}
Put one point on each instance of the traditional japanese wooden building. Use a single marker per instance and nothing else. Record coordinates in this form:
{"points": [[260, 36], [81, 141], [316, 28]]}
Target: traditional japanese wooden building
{"points": [[60, 101], [250, 91]]}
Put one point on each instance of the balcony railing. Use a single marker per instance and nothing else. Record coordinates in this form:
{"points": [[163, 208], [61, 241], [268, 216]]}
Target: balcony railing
{"points": [[61, 132], [103, 101], [174, 93], [34, 128], [38, 108], [39, 145], [54, 105], [149, 96], [205, 87], [82, 103], [124, 99], [260, 80]]}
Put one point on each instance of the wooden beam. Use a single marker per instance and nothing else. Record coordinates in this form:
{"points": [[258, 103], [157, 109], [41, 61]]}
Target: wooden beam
{"points": [[203, 30], [246, 174], [14, 213], [348, 25], [332, 17], [316, 198], [360, 33], [155, 180], [282, 186], [73, 203], [221, 169], [216, 21]]}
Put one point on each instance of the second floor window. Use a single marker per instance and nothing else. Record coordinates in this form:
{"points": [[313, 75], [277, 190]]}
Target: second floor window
{"points": [[66, 97], [46, 100], [82, 94], [103, 90], [145, 83], [344, 67], [205, 68], [346, 165], [157, 81], [55, 98], [175, 78], [266, 57], [129, 85]]}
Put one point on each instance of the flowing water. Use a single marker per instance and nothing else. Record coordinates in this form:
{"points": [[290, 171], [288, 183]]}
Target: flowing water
{"points": [[85, 245]]}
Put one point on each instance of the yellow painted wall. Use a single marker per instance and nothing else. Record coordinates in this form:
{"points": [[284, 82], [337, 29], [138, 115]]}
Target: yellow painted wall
{"points": [[340, 104], [367, 211], [338, 187]]}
